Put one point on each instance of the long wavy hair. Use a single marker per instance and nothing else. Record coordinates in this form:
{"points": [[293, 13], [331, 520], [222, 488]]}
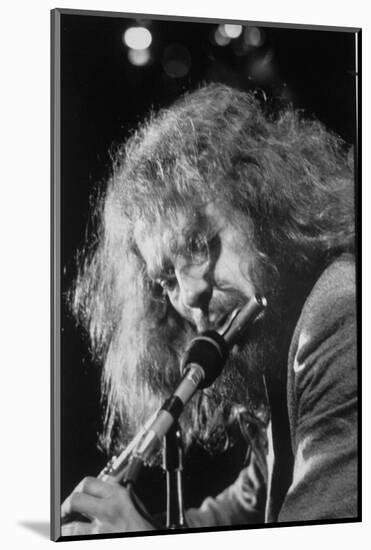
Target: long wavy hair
{"points": [[286, 175]]}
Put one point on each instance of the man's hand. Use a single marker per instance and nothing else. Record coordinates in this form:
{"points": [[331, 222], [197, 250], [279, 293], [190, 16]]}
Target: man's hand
{"points": [[107, 505]]}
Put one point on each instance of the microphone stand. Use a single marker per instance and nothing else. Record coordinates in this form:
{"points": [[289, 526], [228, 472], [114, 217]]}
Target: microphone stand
{"points": [[173, 466], [202, 362]]}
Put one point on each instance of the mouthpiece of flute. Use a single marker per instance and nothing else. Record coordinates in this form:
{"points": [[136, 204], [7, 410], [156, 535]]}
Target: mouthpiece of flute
{"points": [[241, 319]]}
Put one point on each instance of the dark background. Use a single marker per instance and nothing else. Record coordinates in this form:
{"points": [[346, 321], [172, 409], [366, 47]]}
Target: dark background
{"points": [[104, 96]]}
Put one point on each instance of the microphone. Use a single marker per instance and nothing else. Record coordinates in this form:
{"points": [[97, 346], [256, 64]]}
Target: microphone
{"points": [[202, 363]]}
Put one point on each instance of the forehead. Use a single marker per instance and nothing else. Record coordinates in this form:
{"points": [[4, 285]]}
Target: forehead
{"points": [[167, 238]]}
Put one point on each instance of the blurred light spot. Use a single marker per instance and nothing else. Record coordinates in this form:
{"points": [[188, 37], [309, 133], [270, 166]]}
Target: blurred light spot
{"points": [[220, 38], [137, 38], [176, 61], [254, 36], [232, 31], [222, 31], [139, 57]]}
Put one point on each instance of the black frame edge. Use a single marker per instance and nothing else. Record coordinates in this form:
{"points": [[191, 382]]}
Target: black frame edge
{"points": [[159, 17], [358, 227], [55, 530]]}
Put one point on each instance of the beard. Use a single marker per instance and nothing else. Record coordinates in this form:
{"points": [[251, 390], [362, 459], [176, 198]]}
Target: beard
{"points": [[218, 415]]}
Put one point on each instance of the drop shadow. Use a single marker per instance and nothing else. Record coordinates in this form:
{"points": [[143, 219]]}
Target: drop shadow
{"points": [[42, 528]]}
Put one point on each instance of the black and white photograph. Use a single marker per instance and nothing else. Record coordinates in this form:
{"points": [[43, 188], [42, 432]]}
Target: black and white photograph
{"points": [[205, 197]]}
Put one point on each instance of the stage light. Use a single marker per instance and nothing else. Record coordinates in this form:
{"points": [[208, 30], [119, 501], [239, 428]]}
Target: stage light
{"points": [[232, 31], [138, 57], [176, 61], [254, 36], [137, 38], [220, 37]]}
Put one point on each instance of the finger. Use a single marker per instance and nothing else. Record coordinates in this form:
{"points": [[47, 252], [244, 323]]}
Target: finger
{"points": [[94, 487], [90, 506]]}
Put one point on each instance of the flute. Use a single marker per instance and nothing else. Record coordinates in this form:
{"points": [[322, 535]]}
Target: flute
{"points": [[202, 363]]}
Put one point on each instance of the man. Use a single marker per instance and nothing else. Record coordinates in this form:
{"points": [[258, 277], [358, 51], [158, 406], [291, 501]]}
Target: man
{"points": [[210, 202]]}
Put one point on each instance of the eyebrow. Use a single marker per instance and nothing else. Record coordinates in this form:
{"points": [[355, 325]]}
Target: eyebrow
{"points": [[157, 270], [177, 245]]}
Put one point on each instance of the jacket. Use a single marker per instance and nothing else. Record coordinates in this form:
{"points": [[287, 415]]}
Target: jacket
{"points": [[312, 437]]}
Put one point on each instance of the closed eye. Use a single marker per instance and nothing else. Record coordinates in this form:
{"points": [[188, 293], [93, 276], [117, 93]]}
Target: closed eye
{"points": [[168, 279]]}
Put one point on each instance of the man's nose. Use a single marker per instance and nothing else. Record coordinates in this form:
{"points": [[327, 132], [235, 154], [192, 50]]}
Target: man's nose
{"points": [[195, 289]]}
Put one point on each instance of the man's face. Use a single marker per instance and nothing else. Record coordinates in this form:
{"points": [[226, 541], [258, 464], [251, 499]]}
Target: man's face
{"points": [[204, 265]]}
